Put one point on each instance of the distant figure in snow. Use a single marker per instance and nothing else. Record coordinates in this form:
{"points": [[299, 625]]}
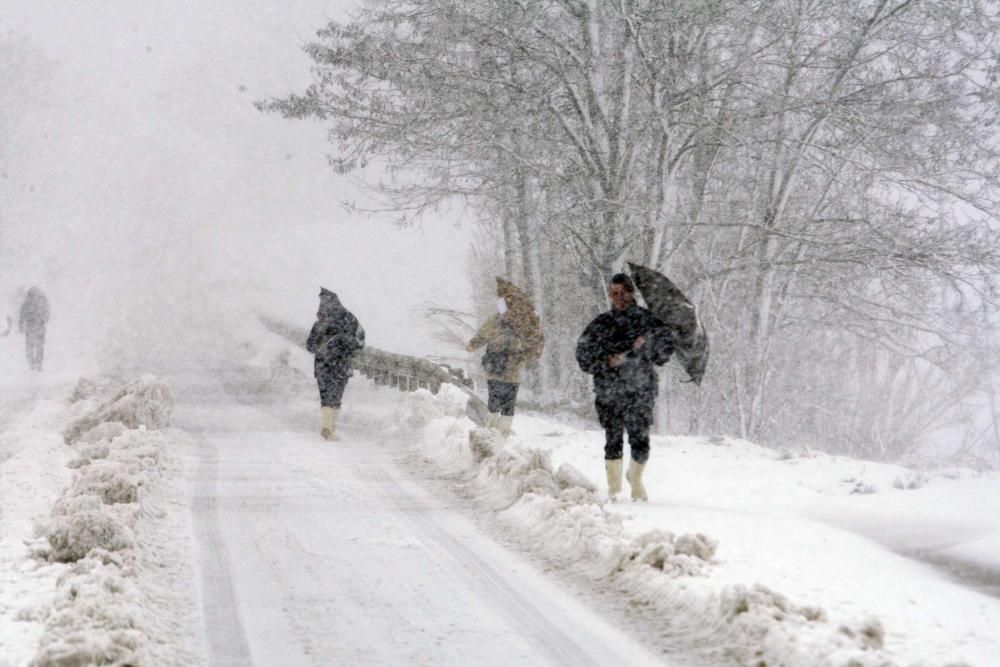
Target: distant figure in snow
{"points": [[620, 349], [513, 337], [32, 322], [334, 337]]}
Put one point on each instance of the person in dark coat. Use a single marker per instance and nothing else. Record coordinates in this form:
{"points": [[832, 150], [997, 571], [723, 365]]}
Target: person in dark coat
{"points": [[32, 322], [334, 337], [621, 349]]}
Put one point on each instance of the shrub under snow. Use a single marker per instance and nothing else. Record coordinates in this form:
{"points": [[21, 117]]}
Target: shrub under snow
{"points": [[95, 619], [145, 402], [73, 536], [112, 481]]}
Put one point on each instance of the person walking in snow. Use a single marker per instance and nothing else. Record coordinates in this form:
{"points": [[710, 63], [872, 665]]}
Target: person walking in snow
{"points": [[621, 348], [334, 337], [34, 318], [513, 337]]}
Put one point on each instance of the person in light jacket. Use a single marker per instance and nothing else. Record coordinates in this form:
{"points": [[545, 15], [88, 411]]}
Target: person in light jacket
{"points": [[513, 338]]}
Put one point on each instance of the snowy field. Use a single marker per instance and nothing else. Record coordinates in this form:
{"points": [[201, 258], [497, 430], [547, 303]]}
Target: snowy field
{"points": [[136, 512]]}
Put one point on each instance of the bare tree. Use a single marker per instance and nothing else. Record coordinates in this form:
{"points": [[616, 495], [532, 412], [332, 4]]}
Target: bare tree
{"points": [[822, 178]]}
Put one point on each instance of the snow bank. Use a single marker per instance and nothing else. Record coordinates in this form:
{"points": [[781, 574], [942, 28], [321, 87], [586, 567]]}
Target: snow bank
{"points": [[97, 617], [33, 473], [72, 537], [143, 403], [561, 516], [123, 591]]}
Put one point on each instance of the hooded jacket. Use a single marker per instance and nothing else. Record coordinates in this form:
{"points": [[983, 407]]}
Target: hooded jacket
{"points": [[500, 337], [334, 337]]}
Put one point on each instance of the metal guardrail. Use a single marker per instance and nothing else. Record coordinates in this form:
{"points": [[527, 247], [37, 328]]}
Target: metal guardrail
{"points": [[395, 370]]}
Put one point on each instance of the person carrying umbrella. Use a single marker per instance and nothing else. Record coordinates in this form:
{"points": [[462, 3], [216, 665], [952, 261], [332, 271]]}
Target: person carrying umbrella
{"points": [[513, 337], [334, 337], [621, 348]]}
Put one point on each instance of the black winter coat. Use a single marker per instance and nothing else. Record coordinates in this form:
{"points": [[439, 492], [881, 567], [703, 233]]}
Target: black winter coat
{"points": [[334, 337], [614, 332]]}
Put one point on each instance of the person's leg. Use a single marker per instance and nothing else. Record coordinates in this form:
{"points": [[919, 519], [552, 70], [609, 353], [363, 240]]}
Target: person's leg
{"points": [[638, 421], [506, 399], [41, 348], [492, 396], [33, 349], [494, 400], [324, 409], [331, 392], [609, 415]]}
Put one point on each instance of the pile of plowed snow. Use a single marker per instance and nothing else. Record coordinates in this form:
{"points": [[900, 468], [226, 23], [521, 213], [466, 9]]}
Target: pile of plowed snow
{"points": [[116, 540], [33, 474]]}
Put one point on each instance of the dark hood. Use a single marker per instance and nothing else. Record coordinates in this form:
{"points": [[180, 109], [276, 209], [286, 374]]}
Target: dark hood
{"points": [[329, 302]]}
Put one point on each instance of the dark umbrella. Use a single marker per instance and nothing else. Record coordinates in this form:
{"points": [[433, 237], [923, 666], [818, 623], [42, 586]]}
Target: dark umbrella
{"points": [[670, 305]]}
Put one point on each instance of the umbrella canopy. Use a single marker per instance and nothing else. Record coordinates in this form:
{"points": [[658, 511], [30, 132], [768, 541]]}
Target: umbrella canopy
{"points": [[670, 305], [523, 317]]}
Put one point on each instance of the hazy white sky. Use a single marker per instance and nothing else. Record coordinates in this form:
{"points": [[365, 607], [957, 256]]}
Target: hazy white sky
{"points": [[141, 176]]}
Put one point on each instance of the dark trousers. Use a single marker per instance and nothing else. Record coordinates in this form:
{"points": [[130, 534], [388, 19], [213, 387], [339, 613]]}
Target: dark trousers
{"points": [[502, 397], [34, 348], [331, 388], [626, 413]]}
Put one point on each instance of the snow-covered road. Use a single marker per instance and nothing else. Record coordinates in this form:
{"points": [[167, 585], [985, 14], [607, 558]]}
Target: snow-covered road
{"points": [[316, 553], [234, 535]]}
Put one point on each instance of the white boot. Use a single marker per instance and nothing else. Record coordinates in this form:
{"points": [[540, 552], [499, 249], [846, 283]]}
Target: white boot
{"points": [[614, 470], [493, 420], [634, 477], [504, 425], [329, 416]]}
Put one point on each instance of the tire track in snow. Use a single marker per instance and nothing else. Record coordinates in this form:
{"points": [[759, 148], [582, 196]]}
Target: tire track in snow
{"points": [[523, 613], [225, 634]]}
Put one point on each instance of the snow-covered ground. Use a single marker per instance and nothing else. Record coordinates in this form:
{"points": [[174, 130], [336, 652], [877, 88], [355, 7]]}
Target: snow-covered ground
{"points": [[417, 539], [809, 559], [95, 537]]}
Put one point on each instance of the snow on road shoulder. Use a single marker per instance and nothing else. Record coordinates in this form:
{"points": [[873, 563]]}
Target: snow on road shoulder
{"points": [[114, 553], [726, 561], [33, 474]]}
